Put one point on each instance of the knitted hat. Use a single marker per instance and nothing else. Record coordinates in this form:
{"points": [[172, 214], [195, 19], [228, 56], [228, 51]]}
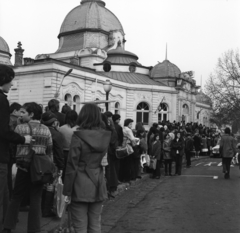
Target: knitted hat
{"points": [[116, 117], [127, 122], [48, 118]]}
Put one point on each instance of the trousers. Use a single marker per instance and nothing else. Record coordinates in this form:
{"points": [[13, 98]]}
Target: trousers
{"points": [[4, 194], [86, 217], [23, 185]]}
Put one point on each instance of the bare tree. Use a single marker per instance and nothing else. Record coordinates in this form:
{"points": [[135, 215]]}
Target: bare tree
{"points": [[223, 87]]}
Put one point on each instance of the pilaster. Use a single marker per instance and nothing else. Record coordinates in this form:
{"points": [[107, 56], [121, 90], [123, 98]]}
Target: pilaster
{"points": [[130, 105], [88, 91]]}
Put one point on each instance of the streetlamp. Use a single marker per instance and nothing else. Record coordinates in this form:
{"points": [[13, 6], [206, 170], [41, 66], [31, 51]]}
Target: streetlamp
{"points": [[56, 95], [107, 86]]}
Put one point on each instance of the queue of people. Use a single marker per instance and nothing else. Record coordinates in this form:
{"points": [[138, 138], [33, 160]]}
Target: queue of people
{"points": [[83, 149]]}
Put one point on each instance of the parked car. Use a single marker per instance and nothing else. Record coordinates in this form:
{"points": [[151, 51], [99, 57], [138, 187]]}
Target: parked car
{"points": [[215, 151]]}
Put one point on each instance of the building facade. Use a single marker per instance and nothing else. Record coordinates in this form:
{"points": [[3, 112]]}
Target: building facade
{"points": [[92, 44]]}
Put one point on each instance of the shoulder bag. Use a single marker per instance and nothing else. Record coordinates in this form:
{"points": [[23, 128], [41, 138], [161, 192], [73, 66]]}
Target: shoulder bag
{"points": [[42, 168]]}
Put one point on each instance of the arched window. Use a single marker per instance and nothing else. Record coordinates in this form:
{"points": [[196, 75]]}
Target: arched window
{"points": [[68, 100], [143, 113], [185, 109], [76, 103], [117, 108], [163, 112]]}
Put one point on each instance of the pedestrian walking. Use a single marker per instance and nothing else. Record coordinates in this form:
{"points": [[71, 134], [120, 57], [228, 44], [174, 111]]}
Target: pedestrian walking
{"points": [[197, 143], [42, 145], [84, 183], [177, 152], [7, 136], [227, 151]]}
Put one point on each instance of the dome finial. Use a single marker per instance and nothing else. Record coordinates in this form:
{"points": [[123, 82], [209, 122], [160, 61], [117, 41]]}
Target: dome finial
{"points": [[99, 2], [166, 52]]}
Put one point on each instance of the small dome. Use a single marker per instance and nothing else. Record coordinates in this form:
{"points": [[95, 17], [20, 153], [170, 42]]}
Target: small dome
{"points": [[165, 69], [121, 56], [5, 55], [91, 14], [4, 46]]}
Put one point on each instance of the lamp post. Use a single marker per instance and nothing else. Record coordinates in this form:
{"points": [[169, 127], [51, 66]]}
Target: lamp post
{"points": [[107, 86], [56, 95]]}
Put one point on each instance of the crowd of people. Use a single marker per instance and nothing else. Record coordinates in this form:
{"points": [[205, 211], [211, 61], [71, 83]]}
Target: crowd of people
{"points": [[83, 148]]}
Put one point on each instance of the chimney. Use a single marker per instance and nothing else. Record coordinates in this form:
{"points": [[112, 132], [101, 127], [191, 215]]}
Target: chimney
{"points": [[19, 55]]}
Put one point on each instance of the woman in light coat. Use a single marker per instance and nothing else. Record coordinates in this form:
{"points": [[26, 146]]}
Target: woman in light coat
{"points": [[84, 184], [167, 154]]}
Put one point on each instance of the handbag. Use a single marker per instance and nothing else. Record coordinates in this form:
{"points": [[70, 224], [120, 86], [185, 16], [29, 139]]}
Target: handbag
{"points": [[121, 152], [153, 163], [42, 167]]}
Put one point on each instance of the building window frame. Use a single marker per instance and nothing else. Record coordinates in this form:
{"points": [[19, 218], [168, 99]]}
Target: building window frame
{"points": [[142, 113]]}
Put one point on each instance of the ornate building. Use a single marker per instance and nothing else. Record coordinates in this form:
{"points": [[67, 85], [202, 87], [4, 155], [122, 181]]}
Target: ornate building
{"points": [[92, 44]]}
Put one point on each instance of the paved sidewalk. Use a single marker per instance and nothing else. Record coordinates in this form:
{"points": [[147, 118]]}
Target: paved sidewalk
{"points": [[50, 225]]}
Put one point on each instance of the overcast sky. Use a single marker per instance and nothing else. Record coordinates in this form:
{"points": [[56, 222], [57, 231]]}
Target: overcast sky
{"points": [[197, 32]]}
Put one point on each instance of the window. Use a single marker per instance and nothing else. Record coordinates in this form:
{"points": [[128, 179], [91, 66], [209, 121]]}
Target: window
{"points": [[163, 112], [143, 113], [107, 67], [76, 103], [68, 99], [117, 108], [185, 109]]}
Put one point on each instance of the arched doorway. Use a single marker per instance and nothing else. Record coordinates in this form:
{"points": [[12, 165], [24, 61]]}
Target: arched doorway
{"points": [[185, 113]]}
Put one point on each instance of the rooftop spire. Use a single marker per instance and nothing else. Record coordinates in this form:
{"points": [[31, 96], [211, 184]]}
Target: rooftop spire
{"points": [[166, 52]]}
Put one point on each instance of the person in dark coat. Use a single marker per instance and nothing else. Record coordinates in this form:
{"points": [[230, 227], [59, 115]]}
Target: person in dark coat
{"points": [[188, 149], [85, 187], [116, 120], [177, 152], [227, 151], [53, 106], [111, 172], [167, 154], [6, 136], [50, 120], [197, 143]]}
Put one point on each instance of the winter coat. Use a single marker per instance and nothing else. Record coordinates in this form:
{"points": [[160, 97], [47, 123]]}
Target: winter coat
{"points": [[57, 139], [197, 142], [227, 146], [84, 178], [156, 150], [177, 146], [188, 144], [6, 134], [167, 149], [119, 131]]}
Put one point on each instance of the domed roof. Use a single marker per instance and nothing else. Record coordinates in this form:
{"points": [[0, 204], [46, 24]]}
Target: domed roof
{"points": [[4, 46], [165, 69], [121, 56], [91, 14]]}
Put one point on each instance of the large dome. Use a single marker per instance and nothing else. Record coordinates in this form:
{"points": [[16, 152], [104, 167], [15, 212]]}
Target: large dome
{"points": [[91, 14], [165, 69], [4, 46]]}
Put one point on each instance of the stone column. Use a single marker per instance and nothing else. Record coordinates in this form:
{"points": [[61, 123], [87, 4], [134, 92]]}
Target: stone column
{"points": [[88, 91], [155, 102]]}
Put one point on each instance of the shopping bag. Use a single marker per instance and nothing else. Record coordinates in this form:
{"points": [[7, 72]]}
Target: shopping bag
{"points": [[147, 157], [59, 202], [14, 173], [153, 163]]}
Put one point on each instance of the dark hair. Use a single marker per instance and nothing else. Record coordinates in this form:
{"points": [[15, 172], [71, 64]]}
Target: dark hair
{"points": [[6, 74], [34, 108], [227, 130], [108, 114], [14, 106], [155, 136], [66, 109], [53, 105], [89, 117], [104, 121], [71, 118], [165, 136], [127, 122]]}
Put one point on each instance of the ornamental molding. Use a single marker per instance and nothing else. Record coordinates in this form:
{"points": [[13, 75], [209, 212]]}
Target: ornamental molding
{"points": [[72, 89], [143, 97]]}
